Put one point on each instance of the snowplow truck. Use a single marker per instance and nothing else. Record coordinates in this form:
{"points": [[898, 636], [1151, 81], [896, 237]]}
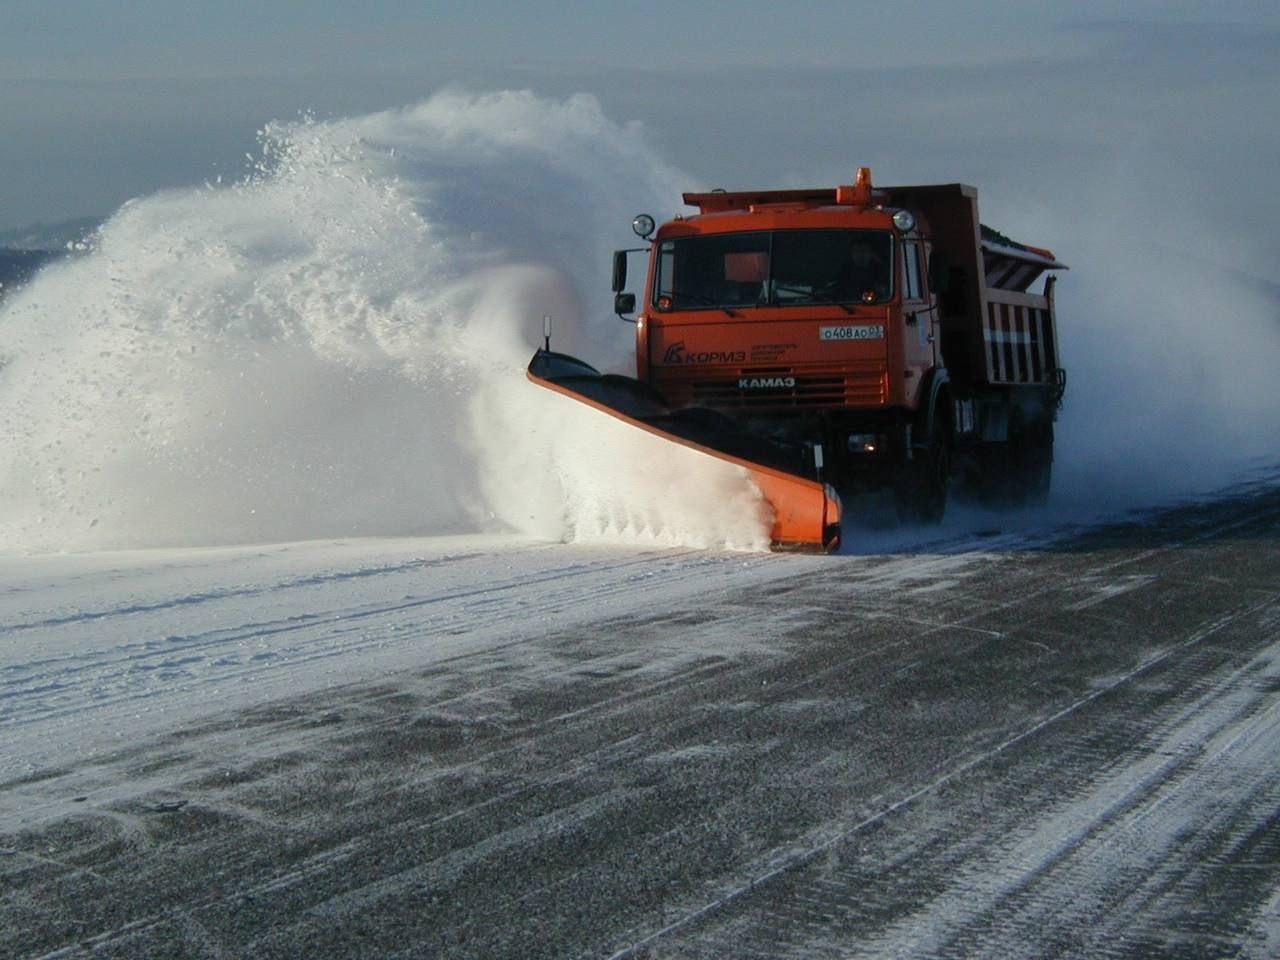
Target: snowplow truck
{"points": [[841, 340]]}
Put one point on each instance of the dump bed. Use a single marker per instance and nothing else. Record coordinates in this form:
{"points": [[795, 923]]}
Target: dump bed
{"points": [[994, 330]]}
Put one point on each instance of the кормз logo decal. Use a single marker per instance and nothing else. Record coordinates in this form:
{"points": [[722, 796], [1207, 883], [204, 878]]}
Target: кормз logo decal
{"points": [[676, 354]]}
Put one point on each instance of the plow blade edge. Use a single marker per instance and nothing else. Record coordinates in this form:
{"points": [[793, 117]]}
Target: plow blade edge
{"points": [[806, 511]]}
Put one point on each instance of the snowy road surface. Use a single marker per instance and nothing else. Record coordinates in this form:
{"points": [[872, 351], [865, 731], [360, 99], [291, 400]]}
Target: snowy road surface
{"points": [[97, 648], [996, 746]]}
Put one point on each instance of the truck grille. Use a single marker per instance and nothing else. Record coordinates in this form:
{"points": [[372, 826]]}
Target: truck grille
{"points": [[773, 390]]}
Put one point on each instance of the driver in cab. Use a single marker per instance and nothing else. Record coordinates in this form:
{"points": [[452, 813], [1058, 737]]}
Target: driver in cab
{"points": [[863, 276]]}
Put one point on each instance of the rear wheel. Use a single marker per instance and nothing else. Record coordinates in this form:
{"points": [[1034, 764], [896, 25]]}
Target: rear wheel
{"points": [[1035, 465], [1018, 471]]}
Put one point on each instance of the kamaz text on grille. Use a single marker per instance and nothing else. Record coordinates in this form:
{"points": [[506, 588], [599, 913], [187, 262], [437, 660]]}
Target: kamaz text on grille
{"points": [[766, 383]]}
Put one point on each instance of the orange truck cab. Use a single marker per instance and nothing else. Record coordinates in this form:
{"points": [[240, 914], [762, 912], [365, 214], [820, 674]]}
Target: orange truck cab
{"points": [[885, 328]]}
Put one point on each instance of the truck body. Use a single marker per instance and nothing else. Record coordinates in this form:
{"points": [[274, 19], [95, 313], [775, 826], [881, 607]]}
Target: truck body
{"points": [[942, 353], [881, 335]]}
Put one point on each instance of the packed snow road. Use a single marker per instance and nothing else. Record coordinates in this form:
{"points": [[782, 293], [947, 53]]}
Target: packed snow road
{"points": [[982, 746]]}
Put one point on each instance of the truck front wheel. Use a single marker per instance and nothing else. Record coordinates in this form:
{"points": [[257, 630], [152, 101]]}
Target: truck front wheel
{"points": [[920, 493]]}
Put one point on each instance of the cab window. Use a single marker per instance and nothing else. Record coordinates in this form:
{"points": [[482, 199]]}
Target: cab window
{"points": [[912, 285]]}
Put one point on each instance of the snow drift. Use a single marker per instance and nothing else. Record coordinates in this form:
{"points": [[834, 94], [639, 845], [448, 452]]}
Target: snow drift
{"points": [[335, 346]]}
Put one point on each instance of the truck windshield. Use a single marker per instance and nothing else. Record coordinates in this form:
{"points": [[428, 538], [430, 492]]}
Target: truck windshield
{"points": [[774, 268]]}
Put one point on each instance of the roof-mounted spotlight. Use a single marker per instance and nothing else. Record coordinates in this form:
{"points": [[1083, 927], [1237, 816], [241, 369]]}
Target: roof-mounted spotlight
{"points": [[643, 225]]}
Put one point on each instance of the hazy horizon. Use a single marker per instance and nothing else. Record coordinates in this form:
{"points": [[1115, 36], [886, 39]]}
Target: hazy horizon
{"points": [[1156, 102]]}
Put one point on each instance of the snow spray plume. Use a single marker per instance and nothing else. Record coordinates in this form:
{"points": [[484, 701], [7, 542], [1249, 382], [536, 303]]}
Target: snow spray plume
{"points": [[1171, 357], [336, 345]]}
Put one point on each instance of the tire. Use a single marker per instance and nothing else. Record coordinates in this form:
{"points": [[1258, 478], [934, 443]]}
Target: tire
{"points": [[1035, 466], [1018, 472], [999, 487], [920, 494]]}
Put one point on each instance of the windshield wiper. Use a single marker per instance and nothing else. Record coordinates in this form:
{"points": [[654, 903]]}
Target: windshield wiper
{"points": [[802, 293], [696, 298], [806, 296]]}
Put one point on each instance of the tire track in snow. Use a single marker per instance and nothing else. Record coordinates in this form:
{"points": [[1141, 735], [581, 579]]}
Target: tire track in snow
{"points": [[1116, 849], [81, 617], [311, 894], [876, 575], [616, 752], [685, 938], [138, 670], [1119, 839], [119, 674]]}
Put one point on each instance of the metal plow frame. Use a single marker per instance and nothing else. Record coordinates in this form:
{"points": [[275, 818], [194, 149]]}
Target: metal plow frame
{"points": [[806, 511]]}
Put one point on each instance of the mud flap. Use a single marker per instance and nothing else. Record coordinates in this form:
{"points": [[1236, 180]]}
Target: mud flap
{"points": [[806, 511]]}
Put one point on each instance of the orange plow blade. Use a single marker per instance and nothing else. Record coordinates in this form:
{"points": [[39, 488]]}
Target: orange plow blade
{"points": [[806, 511]]}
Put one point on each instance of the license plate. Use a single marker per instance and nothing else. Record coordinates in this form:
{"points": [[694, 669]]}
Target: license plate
{"points": [[869, 331]]}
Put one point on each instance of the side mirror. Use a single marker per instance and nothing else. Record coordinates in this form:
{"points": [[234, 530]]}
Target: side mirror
{"points": [[624, 303], [619, 270]]}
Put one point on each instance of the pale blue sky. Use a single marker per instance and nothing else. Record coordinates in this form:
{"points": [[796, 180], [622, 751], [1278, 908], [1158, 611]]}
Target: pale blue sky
{"points": [[101, 102], [106, 40]]}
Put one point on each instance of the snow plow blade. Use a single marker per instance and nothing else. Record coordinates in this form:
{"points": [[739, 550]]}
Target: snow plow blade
{"points": [[806, 511]]}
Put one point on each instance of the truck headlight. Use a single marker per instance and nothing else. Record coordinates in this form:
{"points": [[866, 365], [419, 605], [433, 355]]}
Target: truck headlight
{"points": [[864, 443]]}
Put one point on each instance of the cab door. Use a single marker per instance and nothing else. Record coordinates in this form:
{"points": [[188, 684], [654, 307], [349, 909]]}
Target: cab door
{"points": [[919, 345]]}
